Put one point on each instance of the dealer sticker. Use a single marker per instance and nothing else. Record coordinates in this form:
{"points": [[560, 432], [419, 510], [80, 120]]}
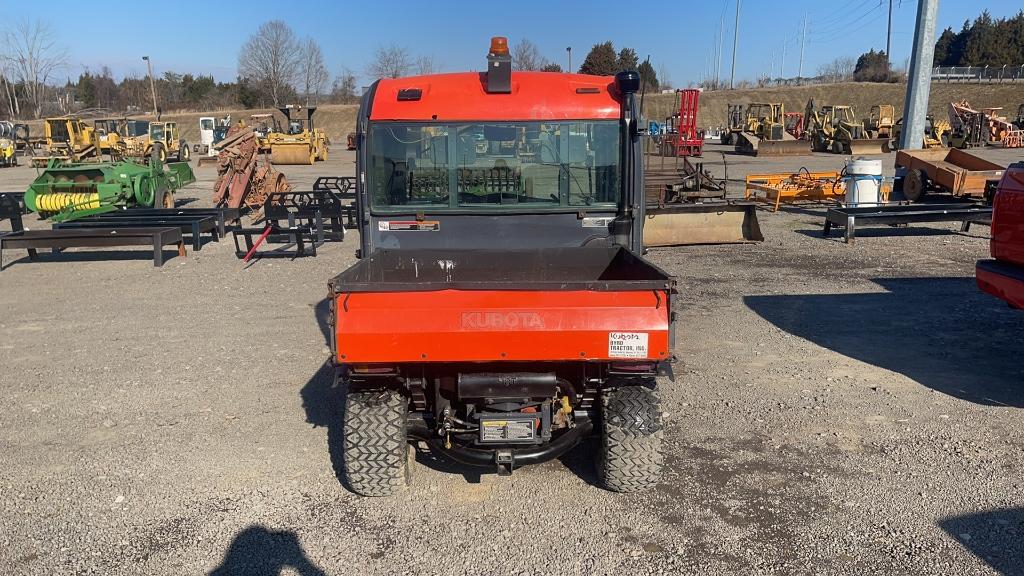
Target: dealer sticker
{"points": [[627, 345], [598, 222], [408, 226]]}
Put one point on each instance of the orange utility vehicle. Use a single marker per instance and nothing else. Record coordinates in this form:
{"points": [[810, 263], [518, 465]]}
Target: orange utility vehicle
{"points": [[1003, 274], [501, 311]]}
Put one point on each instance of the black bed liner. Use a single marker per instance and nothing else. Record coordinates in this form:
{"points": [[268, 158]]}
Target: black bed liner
{"points": [[597, 268]]}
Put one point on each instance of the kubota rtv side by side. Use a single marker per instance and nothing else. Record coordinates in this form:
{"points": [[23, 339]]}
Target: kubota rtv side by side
{"points": [[501, 311]]}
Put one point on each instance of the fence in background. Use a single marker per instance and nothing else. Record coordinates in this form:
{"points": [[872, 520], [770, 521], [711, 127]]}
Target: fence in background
{"points": [[979, 74]]}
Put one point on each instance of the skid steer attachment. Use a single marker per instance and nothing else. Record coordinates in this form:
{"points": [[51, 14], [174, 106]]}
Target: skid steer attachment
{"points": [[722, 222], [786, 147], [859, 146]]}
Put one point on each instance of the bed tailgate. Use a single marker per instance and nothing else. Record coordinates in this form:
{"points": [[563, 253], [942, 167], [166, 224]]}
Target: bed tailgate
{"points": [[579, 305]]}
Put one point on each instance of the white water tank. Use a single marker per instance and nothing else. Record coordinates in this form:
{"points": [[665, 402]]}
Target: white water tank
{"points": [[863, 181]]}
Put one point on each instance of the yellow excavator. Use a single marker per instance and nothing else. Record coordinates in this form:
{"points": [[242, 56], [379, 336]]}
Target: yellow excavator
{"points": [[835, 128], [300, 142], [764, 132]]}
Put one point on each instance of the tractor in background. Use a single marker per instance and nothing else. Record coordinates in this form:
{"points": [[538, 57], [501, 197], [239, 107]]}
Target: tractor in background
{"points": [[880, 121], [160, 141], [68, 138], [835, 128], [763, 131]]}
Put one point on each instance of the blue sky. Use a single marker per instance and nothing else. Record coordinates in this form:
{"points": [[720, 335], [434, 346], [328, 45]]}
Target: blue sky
{"points": [[679, 36]]}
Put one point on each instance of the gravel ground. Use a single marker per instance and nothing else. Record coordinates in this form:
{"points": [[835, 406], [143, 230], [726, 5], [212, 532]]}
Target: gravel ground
{"points": [[837, 410]]}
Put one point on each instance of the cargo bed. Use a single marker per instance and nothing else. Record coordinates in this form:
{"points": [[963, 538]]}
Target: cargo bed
{"points": [[560, 304]]}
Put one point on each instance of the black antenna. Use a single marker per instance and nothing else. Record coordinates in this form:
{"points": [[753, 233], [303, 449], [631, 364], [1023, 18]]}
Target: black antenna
{"points": [[643, 87]]}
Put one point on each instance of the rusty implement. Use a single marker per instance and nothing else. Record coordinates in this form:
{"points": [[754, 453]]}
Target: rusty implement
{"points": [[243, 178], [803, 186]]}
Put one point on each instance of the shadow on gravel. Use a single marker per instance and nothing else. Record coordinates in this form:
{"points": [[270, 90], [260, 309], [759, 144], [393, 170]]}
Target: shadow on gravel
{"points": [[892, 232], [941, 332], [258, 551], [996, 536], [323, 318], [92, 255]]}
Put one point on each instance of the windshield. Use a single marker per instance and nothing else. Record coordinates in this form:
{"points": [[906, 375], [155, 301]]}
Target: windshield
{"points": [[206, 124], [156, 132], [136, 128], [505, 165]]}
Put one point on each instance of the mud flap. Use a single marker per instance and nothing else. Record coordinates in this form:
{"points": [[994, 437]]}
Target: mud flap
{"points": [[703, 223]]}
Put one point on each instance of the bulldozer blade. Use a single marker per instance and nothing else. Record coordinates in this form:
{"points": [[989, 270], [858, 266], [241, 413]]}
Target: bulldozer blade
{"points": [[704, 223], [869, 146], [783, 148], [291, 154]]}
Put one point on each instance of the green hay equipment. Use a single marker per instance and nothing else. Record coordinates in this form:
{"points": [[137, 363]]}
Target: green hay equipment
{"points": [[68, 190]]}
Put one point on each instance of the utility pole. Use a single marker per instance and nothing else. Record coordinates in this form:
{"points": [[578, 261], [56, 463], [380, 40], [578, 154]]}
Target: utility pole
{"points": [[568, 50], [735, 45], [803, 43], [721, 37], [915, 105], [782, 67], [888, 45], [152, 85]]}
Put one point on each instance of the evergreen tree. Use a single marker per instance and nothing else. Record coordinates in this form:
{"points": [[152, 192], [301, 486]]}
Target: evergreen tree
{"points": [[601, 60], [628, 60], [648, 77]]}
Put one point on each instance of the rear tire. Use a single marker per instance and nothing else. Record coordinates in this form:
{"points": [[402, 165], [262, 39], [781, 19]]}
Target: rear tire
{"points": [[159, 153], [629, 458], [915, 185], [184, 154], [375, 453]]}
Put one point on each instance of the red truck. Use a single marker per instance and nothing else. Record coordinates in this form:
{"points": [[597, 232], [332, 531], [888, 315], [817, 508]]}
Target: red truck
{"points": [[501, 311], [1003, 275]]}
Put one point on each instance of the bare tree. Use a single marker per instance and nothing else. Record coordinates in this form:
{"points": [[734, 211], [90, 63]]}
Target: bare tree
{"points": [[344, 89], [271, 57], [526, 56], [425, 65], [34, 58], [664, 82], [838, 70], [5, 75], [389, 62], [314, 73]]}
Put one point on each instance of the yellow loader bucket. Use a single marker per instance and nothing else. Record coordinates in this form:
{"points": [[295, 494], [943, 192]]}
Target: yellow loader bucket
{"points": [[869, 146], [704, 223], [298, 153], [782, 148]]}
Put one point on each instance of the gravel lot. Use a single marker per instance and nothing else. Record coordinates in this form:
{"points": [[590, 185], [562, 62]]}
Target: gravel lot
{"points": [[837, 410]]}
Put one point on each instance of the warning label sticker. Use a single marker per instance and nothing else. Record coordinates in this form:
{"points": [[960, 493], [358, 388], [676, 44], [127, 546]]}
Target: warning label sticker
{"points": [[408, 226], [627, 345]]}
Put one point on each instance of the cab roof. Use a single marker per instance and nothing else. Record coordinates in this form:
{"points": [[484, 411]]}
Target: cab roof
{"points": [[463, 97]]}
